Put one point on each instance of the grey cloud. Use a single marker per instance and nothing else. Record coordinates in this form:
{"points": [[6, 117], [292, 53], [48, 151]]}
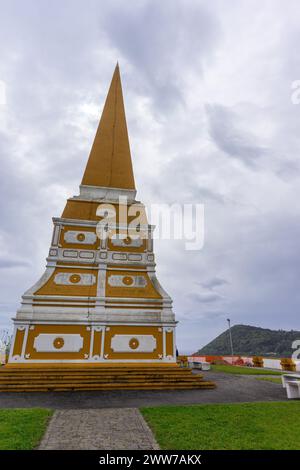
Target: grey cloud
{"points": [[181, 32], [57, 59], [225, 130], [182, 175], [206, 297], [288, 169], [10, 263], [214, 282]]}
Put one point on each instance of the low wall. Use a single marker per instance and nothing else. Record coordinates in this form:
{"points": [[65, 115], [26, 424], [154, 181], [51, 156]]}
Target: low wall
{"points": [[268, 363]]}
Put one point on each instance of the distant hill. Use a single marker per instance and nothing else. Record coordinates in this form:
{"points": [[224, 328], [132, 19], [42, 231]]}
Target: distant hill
{"points": [[251, 340]]}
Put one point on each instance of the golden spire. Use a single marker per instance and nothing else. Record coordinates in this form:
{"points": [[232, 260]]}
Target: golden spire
{"points": [[109, 164]]}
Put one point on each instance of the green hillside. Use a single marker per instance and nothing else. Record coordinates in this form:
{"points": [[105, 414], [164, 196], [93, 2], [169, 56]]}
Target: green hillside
{"points": [[251, 340]]}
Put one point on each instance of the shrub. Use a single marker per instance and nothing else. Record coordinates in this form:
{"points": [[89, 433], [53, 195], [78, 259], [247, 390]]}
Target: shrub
{"points": [[258, 361]]}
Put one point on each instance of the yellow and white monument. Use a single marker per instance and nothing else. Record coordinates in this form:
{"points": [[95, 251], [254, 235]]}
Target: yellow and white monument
{"points": [[99, 303]]}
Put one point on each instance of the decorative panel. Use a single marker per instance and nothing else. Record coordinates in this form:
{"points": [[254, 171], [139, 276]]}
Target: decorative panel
{"points": [[75, 278], [116, 280], [133, 343], [119, 256], [70, 254], [128, 241], [84, 238], [86, 254], [134, 257], [58, 342]]}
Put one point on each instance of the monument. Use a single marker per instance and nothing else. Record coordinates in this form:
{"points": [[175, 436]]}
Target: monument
{"points": [[99, 303]]}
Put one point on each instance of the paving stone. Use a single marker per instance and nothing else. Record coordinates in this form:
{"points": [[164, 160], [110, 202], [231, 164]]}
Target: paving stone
{"points": [[98, 429]]}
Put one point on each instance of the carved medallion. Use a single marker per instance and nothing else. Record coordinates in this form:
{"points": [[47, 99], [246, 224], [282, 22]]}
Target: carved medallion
{"points": [[75, 278], [134, 343], [80, 237], [127, 280], [58, 343]]}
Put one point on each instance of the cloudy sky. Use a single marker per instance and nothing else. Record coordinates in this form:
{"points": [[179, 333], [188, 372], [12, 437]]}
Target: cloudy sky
{"points": [[207, 88]]}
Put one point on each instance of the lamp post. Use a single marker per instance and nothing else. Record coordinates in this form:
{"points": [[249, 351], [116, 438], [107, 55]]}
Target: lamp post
{"points": [[230, 337]]}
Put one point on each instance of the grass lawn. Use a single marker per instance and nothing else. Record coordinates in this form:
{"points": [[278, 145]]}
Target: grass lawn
{"points": [[273, 425], [243, 370], [22, 429], [276, 380]]}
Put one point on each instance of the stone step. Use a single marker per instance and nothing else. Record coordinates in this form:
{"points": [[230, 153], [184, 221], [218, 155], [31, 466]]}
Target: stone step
{"points": [[100, 378], [88, 372], [97, 382], [93, 380], [92, 370], [100, 381], [117, 386]]}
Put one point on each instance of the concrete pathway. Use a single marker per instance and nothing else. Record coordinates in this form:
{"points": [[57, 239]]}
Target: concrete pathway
{"points": [[230, 389], [104, 429]]}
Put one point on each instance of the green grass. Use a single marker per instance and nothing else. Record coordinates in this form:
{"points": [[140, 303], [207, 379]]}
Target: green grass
{"points": [[273, 425], [243, 370], [22, 429], [276, 380]]}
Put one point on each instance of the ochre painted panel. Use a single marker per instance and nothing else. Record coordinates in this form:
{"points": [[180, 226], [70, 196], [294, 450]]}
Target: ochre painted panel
{"points": [[86, 210], [19, 338], [50, 288], [97, 343], [78, 246], [169, 343], [129, 249], [83, 210], [58, 329], [147, 292], [134, 330]]}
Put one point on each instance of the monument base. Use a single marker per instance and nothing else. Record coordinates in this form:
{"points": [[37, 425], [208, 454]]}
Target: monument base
{"points": [[92, 342], [98, 377]]}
